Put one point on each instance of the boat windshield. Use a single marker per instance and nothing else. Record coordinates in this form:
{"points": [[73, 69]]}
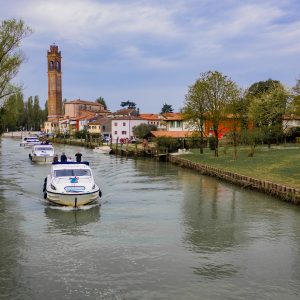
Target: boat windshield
{"points": [[70, 172]]}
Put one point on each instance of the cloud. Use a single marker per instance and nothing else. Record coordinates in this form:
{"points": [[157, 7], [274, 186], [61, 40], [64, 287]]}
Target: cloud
{"points": [[167, 42], [92, 23]]}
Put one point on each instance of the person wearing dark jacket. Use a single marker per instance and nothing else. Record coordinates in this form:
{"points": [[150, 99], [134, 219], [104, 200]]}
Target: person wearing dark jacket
{"points": [[63, 157], [78, 156]]}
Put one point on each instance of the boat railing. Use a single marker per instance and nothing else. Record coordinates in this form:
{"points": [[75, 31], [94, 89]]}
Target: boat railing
{"points": [[71, 163]]}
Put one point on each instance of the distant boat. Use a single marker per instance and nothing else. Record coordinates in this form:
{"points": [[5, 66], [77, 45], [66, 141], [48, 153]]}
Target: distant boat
{"points": [[42, 153], [29, 141], [71, 184], [103, 149]]}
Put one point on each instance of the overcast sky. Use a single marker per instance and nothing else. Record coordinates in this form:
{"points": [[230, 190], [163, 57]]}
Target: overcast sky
{"points": [[149, 52]]}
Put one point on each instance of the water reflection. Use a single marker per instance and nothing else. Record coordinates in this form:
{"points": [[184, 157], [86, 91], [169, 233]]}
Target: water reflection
{"points": [[210, 221], [71, 221], [11, 238]]}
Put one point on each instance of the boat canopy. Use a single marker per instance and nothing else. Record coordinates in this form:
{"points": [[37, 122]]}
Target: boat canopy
{"points": [[71, 172]]}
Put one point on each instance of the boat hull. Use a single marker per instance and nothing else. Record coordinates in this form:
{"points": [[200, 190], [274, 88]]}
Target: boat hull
{"points": [[103, 150], [73, 200], [29, 145], [41, 159]]}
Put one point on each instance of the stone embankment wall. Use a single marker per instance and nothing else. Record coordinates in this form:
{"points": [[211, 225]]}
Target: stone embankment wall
{"points": [[286, 193]]}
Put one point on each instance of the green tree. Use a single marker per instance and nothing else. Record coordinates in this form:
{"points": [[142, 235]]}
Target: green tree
{"points": [[167, 108], [11, 34], [63, 105], [102, 101], [262, 87], [266, 111], [30, 114], [236, 109], [128, 104], [219, 91], [142, 130], [36, 112], [196, 108], [294, 105], [45, 111], [13, 111]]}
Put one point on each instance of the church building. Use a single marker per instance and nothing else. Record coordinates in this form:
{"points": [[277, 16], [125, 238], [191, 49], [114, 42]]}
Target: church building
{"points": [[73, 110]]}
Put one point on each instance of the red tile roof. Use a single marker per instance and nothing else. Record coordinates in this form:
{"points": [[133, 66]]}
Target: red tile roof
{"points": [[79, 101], [172, 116], [153, 117]]}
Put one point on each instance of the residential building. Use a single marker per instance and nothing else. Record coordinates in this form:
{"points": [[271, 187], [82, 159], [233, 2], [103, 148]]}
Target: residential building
{"points": [[122, 127], [155, 119], [76, 108], [101, 126], [176, 122]]}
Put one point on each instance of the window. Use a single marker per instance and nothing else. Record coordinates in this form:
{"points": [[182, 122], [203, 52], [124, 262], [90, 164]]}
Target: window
{"points": [[116, 132], [67, 173], [103, 127], [51, 65], [116, 124], [124, 124], [124, 132]]}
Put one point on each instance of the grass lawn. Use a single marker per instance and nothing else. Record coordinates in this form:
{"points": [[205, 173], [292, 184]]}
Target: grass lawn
{"points": [[280, 164]]}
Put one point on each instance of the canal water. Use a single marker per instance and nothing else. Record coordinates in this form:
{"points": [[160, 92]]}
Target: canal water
{"points": [[161, 232]]}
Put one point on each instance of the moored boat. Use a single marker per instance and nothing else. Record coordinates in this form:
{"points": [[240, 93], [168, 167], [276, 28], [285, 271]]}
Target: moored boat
{"points": [[42, 153], [71, 184], [103, 149]]}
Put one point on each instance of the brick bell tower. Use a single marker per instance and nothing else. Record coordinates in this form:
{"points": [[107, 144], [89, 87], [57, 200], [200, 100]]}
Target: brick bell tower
{"points": [[54, 84]]}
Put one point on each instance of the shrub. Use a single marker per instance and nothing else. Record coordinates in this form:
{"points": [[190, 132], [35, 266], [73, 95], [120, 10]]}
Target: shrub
{"points": [[169, 143]]}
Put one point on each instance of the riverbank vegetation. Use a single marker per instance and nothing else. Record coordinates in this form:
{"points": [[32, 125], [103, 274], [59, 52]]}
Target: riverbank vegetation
{"points": [[279, 164], [247, 116]]}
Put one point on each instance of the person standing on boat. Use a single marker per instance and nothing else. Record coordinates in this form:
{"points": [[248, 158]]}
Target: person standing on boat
{"points": [[63, 157], [55, 158], [78, 156]]}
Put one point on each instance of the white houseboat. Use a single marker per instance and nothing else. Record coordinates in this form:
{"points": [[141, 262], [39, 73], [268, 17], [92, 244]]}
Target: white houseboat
{"points": [[29, 141], [42, 153], [71, 184]]}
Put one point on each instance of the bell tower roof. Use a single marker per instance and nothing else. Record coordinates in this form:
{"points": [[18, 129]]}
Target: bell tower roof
{"points": [[54, 50]]}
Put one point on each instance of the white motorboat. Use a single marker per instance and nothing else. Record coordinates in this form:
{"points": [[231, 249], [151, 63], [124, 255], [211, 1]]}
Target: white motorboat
{"points": [[103, 149], [42, 153], [29, 141], [71, 184]]}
